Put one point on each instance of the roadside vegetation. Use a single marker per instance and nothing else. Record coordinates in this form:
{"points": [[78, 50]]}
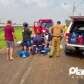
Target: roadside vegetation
{"points": [[18, 33]]}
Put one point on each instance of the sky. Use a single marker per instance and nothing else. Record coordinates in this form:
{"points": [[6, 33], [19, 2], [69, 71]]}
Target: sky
{"points": [[30, 10]]}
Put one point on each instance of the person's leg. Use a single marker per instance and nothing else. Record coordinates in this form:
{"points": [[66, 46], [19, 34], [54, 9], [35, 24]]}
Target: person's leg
{"points": [[30, 49], [30, 52], [11, 50], [55, 46], [7, 53], [11, 53], [52, 48], [47, 43], [30, 46], [58, 47], [7, 50], [46, 40], [24, 48]]}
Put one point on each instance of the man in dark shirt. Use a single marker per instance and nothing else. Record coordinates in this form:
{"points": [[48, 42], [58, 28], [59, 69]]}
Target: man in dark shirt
{"points": [[26, 37]]}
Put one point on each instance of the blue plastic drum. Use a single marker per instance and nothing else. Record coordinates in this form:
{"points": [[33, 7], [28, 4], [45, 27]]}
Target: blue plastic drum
{"points": [[23, 54], [45, 50]]}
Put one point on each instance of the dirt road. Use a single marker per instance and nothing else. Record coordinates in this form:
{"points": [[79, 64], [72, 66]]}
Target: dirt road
{"points": [[39, 70]]}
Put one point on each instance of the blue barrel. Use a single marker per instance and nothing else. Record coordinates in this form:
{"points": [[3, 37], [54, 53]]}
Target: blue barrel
{"points": [[23, 54], [45, 50]]}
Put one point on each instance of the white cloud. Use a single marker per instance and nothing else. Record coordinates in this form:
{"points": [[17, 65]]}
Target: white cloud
{"points": [[65, 5], [4, 2], [40, 3], [9, 3], [33, 9]]}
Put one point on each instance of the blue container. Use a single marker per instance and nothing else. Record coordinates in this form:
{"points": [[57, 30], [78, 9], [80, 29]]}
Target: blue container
{"points": [[45, 50], [23, 54]]}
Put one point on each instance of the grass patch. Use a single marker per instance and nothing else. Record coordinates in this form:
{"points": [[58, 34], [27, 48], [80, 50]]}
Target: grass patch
{"points": [[18, 34]]}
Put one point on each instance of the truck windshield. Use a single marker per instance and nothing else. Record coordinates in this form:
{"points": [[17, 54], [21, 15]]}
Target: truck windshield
{"points": [[46, 24]]}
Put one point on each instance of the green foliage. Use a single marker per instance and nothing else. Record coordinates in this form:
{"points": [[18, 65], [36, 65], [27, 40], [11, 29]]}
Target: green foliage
{"points": [[18, 34]]}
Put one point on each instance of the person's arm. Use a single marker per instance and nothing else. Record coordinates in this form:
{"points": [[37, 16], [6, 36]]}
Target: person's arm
{"points": [[22, 35], [13, 32], [52, 30], [4, 34], [14, 35]]}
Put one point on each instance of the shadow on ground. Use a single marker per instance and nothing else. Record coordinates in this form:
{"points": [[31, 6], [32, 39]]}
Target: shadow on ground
{"points": [[77, 54]]}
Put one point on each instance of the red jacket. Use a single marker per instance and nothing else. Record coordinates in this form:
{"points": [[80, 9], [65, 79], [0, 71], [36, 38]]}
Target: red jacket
{"points": [[38, 30]]}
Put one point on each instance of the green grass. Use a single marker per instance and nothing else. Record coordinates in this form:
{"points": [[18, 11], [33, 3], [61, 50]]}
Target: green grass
{"points": [[18, 34]]}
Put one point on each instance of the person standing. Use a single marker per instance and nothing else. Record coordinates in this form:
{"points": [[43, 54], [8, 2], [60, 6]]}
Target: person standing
{"points": [[26, 34], [57, 32], [9, 38]]}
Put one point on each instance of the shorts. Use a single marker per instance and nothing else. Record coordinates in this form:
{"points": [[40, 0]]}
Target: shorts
{"points": [[27, 43], [10, 44]]}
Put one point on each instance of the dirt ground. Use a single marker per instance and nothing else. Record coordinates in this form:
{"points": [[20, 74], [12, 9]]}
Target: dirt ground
{"points": [[39, 69]]}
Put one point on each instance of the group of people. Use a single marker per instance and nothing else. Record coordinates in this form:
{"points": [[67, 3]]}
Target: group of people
{"points": [[56, 33]]}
